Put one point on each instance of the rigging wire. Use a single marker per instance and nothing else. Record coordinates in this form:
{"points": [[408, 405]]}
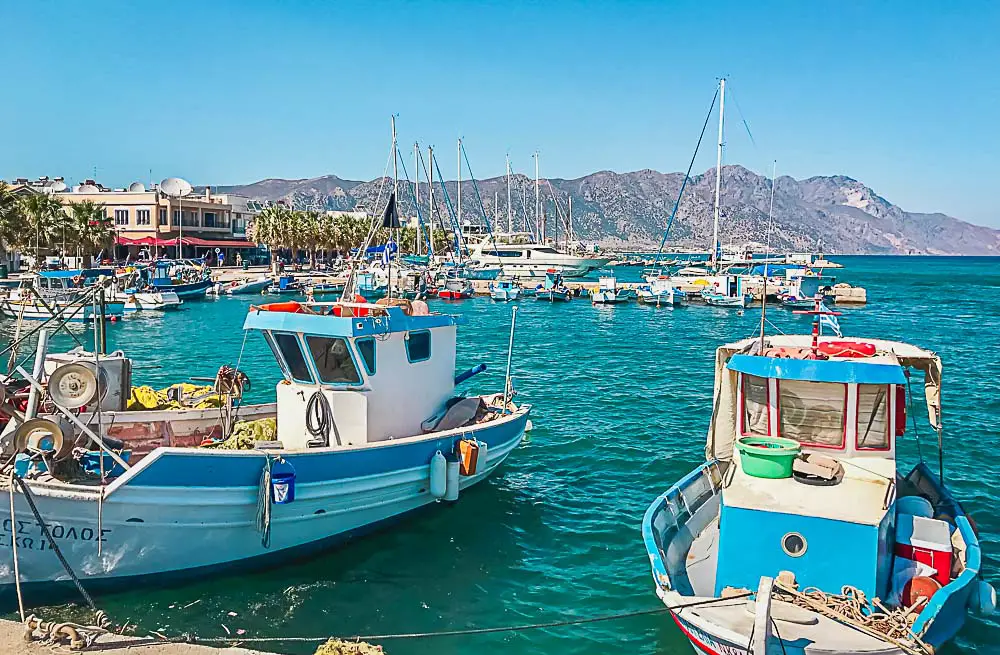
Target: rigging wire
{"points": [[479, 199], [687, 177], [416, 205], [456, 225], [351, 275]]}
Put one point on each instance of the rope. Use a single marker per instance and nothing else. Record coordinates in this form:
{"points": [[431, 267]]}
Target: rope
{"points": [[264, 500], [52, 542], [473, 631], [319, 420], [13, 545]]}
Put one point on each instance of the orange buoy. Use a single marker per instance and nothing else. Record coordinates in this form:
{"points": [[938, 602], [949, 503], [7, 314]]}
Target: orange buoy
{"points": [[919, 590]]}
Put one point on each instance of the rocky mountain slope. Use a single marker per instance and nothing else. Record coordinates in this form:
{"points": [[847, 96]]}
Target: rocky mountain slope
{"points": [[833, 214]]}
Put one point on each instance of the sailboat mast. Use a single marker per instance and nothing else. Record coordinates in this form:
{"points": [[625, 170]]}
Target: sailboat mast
{"points": [[395, 199], [459, 184], [538, 203], [569, 216], [718, 175], [510, 213], [430, 195], [416, 189]]}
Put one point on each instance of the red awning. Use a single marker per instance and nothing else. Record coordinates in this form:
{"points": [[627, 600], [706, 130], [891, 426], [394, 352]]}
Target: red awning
{"points": [[218, 243], [188, 241]]}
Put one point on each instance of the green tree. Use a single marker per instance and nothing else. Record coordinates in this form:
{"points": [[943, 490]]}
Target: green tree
{"points": [[89, 226], [11, 220], [44, 215]]}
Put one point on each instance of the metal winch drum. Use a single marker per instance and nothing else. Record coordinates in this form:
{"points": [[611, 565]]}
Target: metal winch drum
{"points": [[72, 386]]}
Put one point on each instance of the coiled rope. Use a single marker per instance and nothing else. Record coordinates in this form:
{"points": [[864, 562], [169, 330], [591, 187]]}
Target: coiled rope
{"points": [[319, 420]]}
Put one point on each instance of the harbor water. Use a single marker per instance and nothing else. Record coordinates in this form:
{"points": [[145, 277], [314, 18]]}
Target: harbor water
{"points": [[622, 400]]}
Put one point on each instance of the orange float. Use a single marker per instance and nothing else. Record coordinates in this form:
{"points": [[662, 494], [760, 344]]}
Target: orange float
{"points": [[847, 349]]}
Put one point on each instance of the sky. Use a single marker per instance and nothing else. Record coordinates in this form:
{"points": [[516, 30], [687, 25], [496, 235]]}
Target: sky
{"points": [[903, 96]]}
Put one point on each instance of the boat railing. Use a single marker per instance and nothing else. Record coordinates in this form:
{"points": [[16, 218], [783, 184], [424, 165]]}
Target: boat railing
{"points": [[670, 512]]}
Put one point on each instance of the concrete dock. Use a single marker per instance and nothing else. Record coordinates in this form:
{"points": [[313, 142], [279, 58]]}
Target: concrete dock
{"points": [[12, 643]]}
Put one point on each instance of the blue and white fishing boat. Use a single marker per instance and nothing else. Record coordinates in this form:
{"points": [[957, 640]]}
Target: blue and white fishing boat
{"points": [[800, 534], [325, 289], [608, 292], [553, 289], [185, 278], [286, 285], [370, 428], [659, 292], [727, 291], [66, 294], [504, 290]]}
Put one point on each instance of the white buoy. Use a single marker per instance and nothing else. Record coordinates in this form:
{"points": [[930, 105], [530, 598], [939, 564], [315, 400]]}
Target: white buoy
{"points": [[451, 495], [439, 475]]}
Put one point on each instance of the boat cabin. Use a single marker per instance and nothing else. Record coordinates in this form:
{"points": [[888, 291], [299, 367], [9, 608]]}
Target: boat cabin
{"points": [[811, 485], [68, 280], [381, 371]]}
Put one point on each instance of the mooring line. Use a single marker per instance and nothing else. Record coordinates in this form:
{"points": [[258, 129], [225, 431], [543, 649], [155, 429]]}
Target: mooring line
{"points": [[469, 631]]}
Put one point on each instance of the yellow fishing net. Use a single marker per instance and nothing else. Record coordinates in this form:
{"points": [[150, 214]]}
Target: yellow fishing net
{"points": [[245, 433], [192, 396]]}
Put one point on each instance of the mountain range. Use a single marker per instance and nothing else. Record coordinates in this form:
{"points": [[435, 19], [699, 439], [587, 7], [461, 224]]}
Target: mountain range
{"points": [[833, 214]]}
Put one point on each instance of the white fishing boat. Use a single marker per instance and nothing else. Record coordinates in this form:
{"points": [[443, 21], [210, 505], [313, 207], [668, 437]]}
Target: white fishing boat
{"points": [[241, 287], [138, 295], [370, 427], [660, 292], [800, 534], [504, 290], [608, 292], [66, 295], [517, 255]]}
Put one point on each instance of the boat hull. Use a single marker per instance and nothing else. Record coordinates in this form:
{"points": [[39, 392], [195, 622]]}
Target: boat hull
{"points": [[207, 501], [187, 290], [35, 311]]}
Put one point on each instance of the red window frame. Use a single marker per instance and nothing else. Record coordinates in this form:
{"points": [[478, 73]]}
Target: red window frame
{"points": [[843, 423], [743, 405], [888, 422]]}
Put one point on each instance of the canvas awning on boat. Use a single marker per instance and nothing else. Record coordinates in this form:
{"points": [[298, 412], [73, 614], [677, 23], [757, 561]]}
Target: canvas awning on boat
{"points": [[722, 430]]}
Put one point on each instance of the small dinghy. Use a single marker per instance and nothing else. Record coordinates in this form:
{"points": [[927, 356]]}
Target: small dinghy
{"points": [[553, 289], [504, 290]]}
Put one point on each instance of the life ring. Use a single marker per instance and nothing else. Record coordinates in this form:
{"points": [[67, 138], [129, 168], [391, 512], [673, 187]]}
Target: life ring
{"points": [[847, 349], [77, 279]]}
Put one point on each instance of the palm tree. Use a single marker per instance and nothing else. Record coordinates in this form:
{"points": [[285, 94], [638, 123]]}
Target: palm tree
{"points": [[43, 212], [90, 228], [11, 221], [266, 228]]}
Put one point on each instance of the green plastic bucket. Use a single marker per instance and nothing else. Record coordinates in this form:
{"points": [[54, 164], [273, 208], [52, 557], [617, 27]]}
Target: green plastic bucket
{"points": [[768, 457]]}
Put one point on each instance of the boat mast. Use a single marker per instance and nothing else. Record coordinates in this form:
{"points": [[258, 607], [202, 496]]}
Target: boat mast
{"points": [[430, 193], [395, 199], [718, 175], [538, 204], [569, 217], [416, 189], [510, 213], [459, 184]]}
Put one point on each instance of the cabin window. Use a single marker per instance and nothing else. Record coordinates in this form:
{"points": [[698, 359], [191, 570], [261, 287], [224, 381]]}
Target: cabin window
{"points": [[873, 417], [333, 360], [755, 400], [291, 353], [366, 348], [812, 413], [418, 346]]}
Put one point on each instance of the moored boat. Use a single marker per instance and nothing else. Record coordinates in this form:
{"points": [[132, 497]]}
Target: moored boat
{"points": [[553, 289], [504, 290], [800, 534], [241, 287], [659, 292], [370, 428], [608, 292]]}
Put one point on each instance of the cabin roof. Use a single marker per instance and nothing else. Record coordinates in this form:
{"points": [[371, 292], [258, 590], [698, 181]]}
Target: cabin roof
{"points": [[860, 371], [392, 319], [71, 273]]}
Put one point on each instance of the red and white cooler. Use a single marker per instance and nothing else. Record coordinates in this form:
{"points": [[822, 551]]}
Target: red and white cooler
{"points": [[927, 541]]}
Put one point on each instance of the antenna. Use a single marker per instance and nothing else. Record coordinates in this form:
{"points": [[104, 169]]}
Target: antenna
{"points": [[137, 187], [87, 188], [56, 187]]}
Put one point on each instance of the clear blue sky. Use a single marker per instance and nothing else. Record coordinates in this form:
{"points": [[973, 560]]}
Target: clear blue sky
{"points": [[903, 96]]}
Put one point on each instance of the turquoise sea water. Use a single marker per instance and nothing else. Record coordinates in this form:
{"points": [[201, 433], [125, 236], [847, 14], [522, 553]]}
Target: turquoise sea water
{"points": [[622, 399]]}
